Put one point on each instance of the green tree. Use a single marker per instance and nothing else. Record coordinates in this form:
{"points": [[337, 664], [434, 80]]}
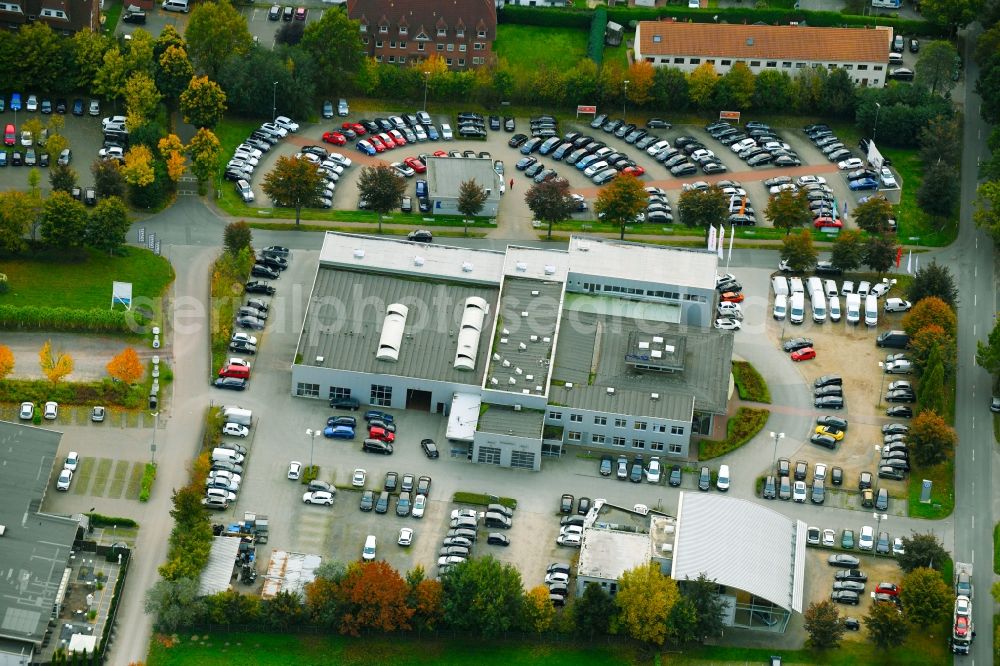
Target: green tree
{"points": [[108, 225], [682, 624], [670, 89], [709, 607], [927, 600], [283, 611], [930, 310], [935, 65], [880, 253], [295, 183], [109, 82], [174, 73], [939, 191], [550, 201], [482, 595], [886, 626], [334, 44], [931, 399], [40, 56], [88, 53], [701, 85], [205, 151], [203, 103], [933, 279], [174, 603], [773, 91], [873, 215], [987, 213], [988, 353], [644, 600], [236, 237], [168, 37], [787, 210], [63, 222], [471, 199], [382, 188], [108, 179], [798, 250], [18, 212], [139, 56], [950, 14], [703, 208], [62, 178], [848, 250], [840, 94], [216, 32], [141, 99], [931, 440], [735, 88], [620, 201], [941, 140], [824, 625], [594, 611], [922, 550]]}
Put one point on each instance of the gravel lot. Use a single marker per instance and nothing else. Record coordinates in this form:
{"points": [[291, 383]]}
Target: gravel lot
{"points": [[819, 581]]}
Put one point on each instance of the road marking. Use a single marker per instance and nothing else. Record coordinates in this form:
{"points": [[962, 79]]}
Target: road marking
{"points": [[973, 455], [973, 557], [973, 335], [973, 521], [975, 299]]}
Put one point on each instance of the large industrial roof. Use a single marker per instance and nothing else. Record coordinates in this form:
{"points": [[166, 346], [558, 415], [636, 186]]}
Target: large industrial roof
{"points": [[445, 176], [347, 313], [741, 544], [683, 267], [218, 573], [525, 335], [507, 421]]}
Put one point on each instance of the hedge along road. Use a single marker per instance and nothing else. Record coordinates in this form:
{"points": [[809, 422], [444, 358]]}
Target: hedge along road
{"points": [[91, 353]]}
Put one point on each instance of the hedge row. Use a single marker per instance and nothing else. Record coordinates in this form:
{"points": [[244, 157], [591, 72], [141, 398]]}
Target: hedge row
{"points": [[742, 427], [148, 475], [482, 499], [105, 392], [581, 18], [598, 26], [99, 520], [67, 319], [749, 383]]}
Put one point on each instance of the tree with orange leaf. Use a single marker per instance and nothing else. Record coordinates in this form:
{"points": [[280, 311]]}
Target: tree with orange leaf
{"points": [[55, 365], [640, 82], [172, 151], [126, 366], [425, 599], [6, 361], [374, 596]]}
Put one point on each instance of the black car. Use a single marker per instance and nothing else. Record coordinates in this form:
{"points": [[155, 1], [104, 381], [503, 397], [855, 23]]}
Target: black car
{"points": [[424, 486], [605, 467], [508, 123], [376, 446], [818, 495], [517, 140], [430, 448], [900, 395], [134, 16], [566, 504], [705, 478], [784, 467], [258, 287], [845, 597], [770, 488], [367, 500], [348, 421], [495, 123], [837, 476], [231, 383], [259, 270], [89, 196], [851, 574], [635, 474], [391, 482], [828, 380], [583, 506], [833, 422], [534, 170], [242, 347], [826, 268], [462, 533], [829, 402], [382, 505], [796, 344], [882, 501], [900, 411], [843, 560], [658, 123], [497, 539], [828, 390], [891, 473], [272, 261], [675, 475]]}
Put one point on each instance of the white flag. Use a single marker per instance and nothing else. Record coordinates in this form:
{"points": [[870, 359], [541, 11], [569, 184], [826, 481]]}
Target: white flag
{"points": [[722, 239], [732, 235], [909, 259], [916, 264], [711, 238]]}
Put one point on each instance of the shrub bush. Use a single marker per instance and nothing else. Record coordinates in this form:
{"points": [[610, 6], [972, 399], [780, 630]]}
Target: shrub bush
{"points": [[99, 520], [749, 383], [214, 420], [598, 26], [482, 499], [17, 317], [148, 475], [309, 474], [742, 427], [104, 392]]}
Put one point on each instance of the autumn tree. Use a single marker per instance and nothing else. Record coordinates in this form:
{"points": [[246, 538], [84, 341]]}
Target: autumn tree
{"points": [[734, 89], [645, 597], [824, 625], [620, 201], [931, 440], [203, 103], [374, 597], [109, 81], [172, 151], [538, 611], [930, 340], [174, 73], [324, 603], [701, 85], [880, 253], [886, 626], [640, 82], [126, 366], [62, 178], [789, 210], [216, 32], [63, 221], [204, 151], [471, 199], [848, 250], [55, 364], [873, 215], [108, 224], [703, 208], [138, 169], [482, 595], [294, 182], [798, 251], [108, 179], [424, 599], [88, 53], [930, 310], [236, 237], [550, 201], [382, 188], [927, 599], [933, 279], [6, 361]]}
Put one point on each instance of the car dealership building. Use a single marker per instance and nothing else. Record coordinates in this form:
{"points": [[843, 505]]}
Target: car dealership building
{"points": [[607, 345]]}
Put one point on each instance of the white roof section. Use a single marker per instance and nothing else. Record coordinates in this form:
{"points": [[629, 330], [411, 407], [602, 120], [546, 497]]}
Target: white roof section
{"points": [[684, 267], [218, 573], [463, 417], [392, 332], [401, 257], [82, 643], [537, 263], [741, 544], [289, 572], [471, 329], [607, 554]]}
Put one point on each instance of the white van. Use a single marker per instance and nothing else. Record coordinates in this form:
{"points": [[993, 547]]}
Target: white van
{"points": [[814, 284], [819, 307], [834, 307], [238, 415], [798, 311], [795, 285], [780, 307], [368, 552], [176, 6], [722, 481], [871, 311], [227, 455], [780, 285], [853, 308]]}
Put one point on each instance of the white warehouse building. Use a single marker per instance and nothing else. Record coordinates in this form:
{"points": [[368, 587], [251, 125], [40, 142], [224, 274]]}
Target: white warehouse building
{"points": [[607, 345]]}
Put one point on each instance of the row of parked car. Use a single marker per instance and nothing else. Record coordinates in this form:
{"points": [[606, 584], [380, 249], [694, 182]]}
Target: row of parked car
{"points": [[464, 532], [849, 584], [729, 311], [227, 459]]}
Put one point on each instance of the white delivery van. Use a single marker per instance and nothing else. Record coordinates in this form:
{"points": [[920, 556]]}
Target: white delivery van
{"points": [[853, 308], [238, 415], [798, 308], [814, 284], [227, 455], [780, 307], [871, 311], [834, 307], [780, 285], [795, 285], [176, 6], [819, 307]]}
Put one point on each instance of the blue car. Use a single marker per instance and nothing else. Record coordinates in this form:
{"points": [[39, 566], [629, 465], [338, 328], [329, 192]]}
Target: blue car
{"points": [[421, 189], [377, 414], [864, 184], [366, 148], [15, 102], [77, 107], [432, 132], [339, 432], [531, 145]]}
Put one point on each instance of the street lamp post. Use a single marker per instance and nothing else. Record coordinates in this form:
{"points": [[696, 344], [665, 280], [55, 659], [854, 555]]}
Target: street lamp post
{"points": [[881, 388], [274, 101], [625, 100], [776, 436], [879, 517], [878, 107], [427, 76], [152, 446], [312, 443]]}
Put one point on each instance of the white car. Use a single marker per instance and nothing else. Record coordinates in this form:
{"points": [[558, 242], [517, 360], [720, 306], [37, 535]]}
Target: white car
{"points": [[65, 477], [847, 288], [571, 529], [405, 536], [275, 129], [368, 552], [27, 411], [784, 187], [653, 471], [244, 337], [51, 410], [342, 159], [225, 474], [728, 324], [236, 430], [850, 164], [446, 132], [112, 153], [420, 132], [318, 497], [72, 461], [722, 482], [359, 477], [866, 540], [295, 470], [449, 560], [32, 103], [403, 169], [419, 506], [238, 361], [117, 120], [569, 540], [246, 157], [556, 577], [829, 538], [286, 123], [888, 180], [963, 606], [897, 547], [799, 491], [464, 513], [222, 482], [805, 180], [246, 192], [813, 535], [896, 305], [819, 472]]}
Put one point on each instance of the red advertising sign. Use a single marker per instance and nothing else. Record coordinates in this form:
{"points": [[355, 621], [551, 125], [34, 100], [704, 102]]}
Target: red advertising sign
{"points": [[583, 108], [729, 115]]}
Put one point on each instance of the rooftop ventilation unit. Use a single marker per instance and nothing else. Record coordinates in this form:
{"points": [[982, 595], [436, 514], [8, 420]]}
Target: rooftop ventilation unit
{"points": [[533, 338], [505, 332], [569, 385], [535, 292], [643, 345], [466, 267], [506, 364], [522, 346], [656, 353], [546, 339], [503, 341], [669, 349], [526, 391], [518, 371], [494, 381], [320, 359], [611, 390], [529, 377], [496, 357], [550, 269], [418, 261], [658, 339], [359, 253], [392, 332], [470, 331], [511, 381], [524, 313], [517, 407], [539, 389], [522, 267], [654, 396]]}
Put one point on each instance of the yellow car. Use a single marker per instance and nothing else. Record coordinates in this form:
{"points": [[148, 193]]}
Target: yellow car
{"points": [[836, 433]]}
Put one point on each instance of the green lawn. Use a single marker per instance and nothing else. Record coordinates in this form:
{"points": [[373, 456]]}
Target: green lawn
{"points": [[915, 226], [112, 13], [278, 649], [528, 47], [86, 284]]}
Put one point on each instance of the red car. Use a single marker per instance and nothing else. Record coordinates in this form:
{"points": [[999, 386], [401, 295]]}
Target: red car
{"points": [[375, 141], [732, 297], [387, 140], [634, 170], [358, 128], [887, 588], [9, 135], [415, 164], [804, 354], [300, 14], [440, 153], [962, 626], [382, 434], [821, 222], [336, 138]]}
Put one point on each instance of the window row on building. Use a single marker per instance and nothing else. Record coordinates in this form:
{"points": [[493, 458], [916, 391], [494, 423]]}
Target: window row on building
{"points": [[761, 64], [379, 395], [619, 422]]}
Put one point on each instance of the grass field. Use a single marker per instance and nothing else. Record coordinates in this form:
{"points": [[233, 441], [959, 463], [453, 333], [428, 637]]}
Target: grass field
{"points": [[528, 47], [86, 284], [268, 649]]}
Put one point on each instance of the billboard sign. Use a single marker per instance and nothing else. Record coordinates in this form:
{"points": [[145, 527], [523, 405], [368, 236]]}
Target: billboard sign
{"points": [[121, 292]]}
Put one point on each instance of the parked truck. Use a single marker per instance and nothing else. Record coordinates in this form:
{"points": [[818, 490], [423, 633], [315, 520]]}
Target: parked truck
{"points": [[238, 415], [963, 580], [963, 628]]}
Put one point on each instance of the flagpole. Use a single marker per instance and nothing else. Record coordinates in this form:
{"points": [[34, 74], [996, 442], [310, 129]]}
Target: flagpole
{"points": [[732, 235]]}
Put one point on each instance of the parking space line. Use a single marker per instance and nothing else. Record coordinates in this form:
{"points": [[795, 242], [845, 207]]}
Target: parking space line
{"points": [[101, 476]]}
